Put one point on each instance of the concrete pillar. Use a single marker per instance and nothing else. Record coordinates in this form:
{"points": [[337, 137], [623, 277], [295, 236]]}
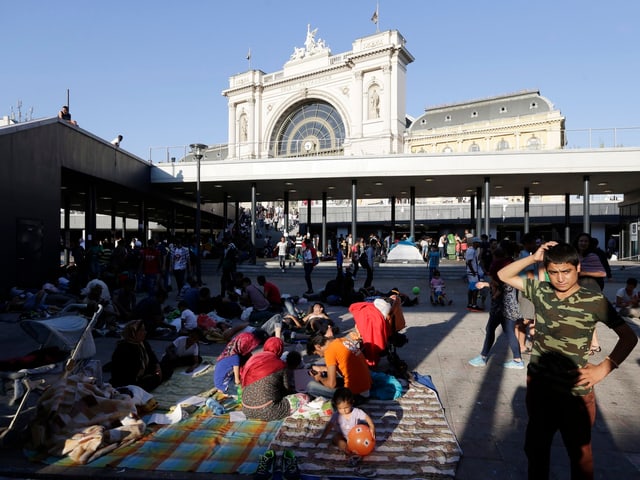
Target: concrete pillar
{"points": [[354, 210], [487, 206], [586, 214]]}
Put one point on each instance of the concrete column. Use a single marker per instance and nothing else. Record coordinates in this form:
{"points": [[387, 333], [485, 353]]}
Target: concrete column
{"points": [[472, 214], [412, 213], [91, 203], [567, 217], [225, 213], [526, 210], [286, 212], [253, 223], [323, 239], [479, 211], [586, 214], [354, 210], [393, 219], [487, 206]]}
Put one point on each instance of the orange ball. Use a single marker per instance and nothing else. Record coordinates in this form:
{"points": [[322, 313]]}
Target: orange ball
{"points": [[360, 441]]}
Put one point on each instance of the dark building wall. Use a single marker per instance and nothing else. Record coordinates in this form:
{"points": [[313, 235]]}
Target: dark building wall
{"points": [[34, 157], [30, 200]]}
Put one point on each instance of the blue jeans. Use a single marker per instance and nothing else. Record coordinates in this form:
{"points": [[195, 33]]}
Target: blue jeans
{"points": [[508, 327], [308, 268], [316, 389]]}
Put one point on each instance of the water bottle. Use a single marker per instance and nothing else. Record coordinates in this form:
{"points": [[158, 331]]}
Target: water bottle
{"points": [[215, 406]]}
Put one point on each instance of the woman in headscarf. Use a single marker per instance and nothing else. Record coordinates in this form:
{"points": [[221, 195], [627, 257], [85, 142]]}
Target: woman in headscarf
{"points": [[133, 361], [265, 388], [234, 355]]}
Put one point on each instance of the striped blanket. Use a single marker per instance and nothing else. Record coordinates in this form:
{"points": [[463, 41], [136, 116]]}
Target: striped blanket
{"points": [[413, 441]]}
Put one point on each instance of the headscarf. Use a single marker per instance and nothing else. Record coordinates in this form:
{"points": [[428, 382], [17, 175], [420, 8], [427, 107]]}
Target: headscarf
{"points": [[130, 331], [242, 344], [265, 363], [130, 335]]}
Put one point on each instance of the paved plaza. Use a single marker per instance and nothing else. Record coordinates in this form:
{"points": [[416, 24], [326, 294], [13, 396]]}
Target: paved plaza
{"points": [[484, 406]]}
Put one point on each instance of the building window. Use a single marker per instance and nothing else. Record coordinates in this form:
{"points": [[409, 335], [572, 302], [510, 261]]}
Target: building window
{"points": [[423, 121], [533, 105], [314, 127], [474, 114], [503, 109], [533, 143], [447, 149], [474, 147], [447, 118], [502, 145]]}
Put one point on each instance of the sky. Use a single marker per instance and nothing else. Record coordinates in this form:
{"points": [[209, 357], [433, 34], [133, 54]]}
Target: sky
{"points": [[153, 70]]}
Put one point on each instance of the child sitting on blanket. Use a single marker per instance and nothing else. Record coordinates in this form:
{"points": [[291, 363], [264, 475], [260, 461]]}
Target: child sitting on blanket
{"points": [[345, 417], [183, 351]]}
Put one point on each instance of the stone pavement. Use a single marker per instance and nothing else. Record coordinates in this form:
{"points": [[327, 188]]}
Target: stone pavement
{"points": [[484, 406]]}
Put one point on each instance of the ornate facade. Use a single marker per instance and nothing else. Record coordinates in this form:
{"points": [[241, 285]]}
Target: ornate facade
{"points": [[352, 103]]}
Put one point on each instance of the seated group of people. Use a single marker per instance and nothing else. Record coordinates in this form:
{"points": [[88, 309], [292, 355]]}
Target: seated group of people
{"points": [[264, 381]]}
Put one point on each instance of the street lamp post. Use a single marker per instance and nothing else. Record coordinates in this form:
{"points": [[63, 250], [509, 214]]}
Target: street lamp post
{"points": [[197, 150]]}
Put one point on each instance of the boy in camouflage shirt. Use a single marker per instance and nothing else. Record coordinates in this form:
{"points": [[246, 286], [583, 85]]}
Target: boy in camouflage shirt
{"points": [[560, 378]]}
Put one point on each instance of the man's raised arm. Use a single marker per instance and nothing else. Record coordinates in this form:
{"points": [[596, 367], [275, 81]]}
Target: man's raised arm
{"points": [[511, 273]]}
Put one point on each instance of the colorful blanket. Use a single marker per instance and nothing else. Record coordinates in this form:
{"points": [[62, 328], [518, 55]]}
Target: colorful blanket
{"points": [[201, 443], [413, 441]]}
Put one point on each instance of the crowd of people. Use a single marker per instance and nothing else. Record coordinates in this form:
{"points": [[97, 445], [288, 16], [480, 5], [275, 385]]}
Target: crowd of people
{"points": [[546, 296]]}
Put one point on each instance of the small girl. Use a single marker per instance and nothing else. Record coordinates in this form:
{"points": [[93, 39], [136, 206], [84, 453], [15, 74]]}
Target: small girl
{"points": [[344, 418]]}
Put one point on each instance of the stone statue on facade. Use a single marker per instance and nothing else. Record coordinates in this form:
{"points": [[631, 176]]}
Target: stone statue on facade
{"points": [[311, 45]]}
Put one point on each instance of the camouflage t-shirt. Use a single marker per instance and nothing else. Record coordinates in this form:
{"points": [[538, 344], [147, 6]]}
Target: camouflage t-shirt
{"points": [[564, 328]]}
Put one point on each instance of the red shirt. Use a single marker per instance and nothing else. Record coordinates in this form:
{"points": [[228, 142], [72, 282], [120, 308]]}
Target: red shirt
{"points": [[272, 293], [150, 261]]}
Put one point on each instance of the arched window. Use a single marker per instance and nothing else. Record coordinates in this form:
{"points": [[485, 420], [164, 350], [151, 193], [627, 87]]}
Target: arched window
{"points": [[474, 147], [533, 143], [447, 149], [502, 145], [309, 129]]}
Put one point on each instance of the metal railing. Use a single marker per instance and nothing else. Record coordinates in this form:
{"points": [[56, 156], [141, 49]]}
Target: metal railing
{"points": [[586, 138]]}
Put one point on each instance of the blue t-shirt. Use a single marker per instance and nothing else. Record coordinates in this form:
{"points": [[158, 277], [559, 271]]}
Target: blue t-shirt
{"points": [[223, 373]]}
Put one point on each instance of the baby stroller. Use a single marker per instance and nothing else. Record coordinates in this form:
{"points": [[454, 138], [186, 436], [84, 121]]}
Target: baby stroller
{"points": [[380, 332], [63, 341]]}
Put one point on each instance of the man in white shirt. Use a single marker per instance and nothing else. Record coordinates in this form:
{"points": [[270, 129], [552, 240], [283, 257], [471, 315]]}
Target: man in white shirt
{"points": [[627, 299]]}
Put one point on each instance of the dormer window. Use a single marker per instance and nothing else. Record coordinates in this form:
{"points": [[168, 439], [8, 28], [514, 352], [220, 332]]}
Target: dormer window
{"points": [[423, 121], [474, 114], [503, 109], [447, 118], [533, 105]]}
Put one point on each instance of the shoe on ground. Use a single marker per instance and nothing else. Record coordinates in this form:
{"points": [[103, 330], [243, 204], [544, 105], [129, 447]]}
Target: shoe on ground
{"points": [[475, 308], [514, 364], [365, 472], [478, 361], [265, 466], [290, 470]]}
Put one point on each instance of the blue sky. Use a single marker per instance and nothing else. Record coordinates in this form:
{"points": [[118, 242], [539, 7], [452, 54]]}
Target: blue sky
{"points": [[153, 71]]}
